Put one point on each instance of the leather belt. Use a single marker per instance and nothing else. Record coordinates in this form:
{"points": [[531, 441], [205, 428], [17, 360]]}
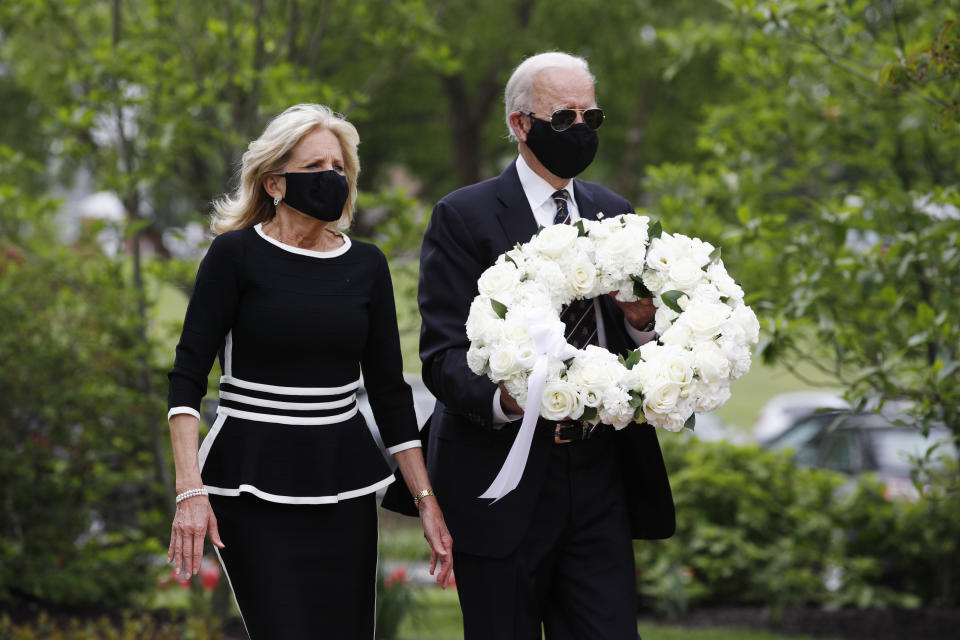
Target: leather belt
{"points": [[567, 431]]}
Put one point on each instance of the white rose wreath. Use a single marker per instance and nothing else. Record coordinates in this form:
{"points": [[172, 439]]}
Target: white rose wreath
{"points": [[705, 330]]}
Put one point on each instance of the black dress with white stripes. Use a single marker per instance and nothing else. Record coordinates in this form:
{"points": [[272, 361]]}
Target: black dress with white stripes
{"points": [[294, 328]]}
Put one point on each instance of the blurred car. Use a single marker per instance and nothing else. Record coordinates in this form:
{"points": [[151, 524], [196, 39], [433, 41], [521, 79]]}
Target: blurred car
{"points": [[711, 428], [785, 409], [854, 443]]}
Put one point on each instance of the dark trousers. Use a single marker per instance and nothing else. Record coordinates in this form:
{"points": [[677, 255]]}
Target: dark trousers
{"points": [[301, 571], [574, 570]]}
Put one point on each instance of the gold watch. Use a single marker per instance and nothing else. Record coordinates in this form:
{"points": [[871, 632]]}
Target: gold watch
{"points": [[420, 496]]}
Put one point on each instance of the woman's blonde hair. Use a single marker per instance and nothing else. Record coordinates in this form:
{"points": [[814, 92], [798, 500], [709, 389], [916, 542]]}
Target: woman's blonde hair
{"points": [[250, 203]]}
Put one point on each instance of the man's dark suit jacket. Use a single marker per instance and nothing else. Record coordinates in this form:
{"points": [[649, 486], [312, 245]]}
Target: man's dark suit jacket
{"points": [[468, 230]]}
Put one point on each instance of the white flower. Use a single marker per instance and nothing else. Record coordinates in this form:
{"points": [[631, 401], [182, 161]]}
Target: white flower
{"points": [[582, 276], [662, 397], [711, 396], [560, 400], [477, 358], [676, 365], [747, 319], [485, 328], [684, 275], [655, 281], [515, 330], [723, 282], [739, 356], [499, 281], [616, 409], [554, 240], [504, 361], [711, 363], [704, 319], [517, 388]]}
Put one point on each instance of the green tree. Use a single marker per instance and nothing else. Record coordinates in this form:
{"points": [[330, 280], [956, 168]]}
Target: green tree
{"points": [[832, 175]]}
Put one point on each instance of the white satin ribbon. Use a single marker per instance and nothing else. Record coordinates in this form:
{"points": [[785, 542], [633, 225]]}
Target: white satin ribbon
{"points": [[547, 331]]}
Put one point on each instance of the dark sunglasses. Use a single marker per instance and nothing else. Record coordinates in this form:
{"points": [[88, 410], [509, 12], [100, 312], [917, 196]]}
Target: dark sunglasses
{"points": [[563, 119]]}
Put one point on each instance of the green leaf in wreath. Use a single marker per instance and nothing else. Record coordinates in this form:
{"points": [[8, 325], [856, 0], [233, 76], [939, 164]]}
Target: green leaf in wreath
{"points": [[581, 232], [568, 363], [540, 228], [691, 421], [499, 308], [715, 255], [671, 299], [633, 359], [621, 360], [655, 230], [638, 414], [589, 413], [636, 399], [509, 259], [639, 289]]}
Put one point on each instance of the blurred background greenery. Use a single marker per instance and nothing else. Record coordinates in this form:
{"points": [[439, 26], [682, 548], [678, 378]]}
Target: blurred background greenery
{"points": [[816, 141]]}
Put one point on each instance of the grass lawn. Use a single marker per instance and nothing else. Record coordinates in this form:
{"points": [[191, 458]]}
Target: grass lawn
{"points": [[437, 617]]}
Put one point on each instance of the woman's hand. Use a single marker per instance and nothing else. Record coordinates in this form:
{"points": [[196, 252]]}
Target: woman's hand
{"points": [[194, 518], [437, 535]]}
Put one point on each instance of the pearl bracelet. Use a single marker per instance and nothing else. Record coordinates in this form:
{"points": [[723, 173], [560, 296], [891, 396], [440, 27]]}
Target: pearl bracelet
{"points": [[189, 493]]}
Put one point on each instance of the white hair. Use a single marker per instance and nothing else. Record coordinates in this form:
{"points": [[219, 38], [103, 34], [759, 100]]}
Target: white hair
{"points": [[249, 203], [518, 95]]}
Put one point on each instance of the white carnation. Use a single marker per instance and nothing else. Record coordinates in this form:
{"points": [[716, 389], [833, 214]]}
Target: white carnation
{"points": [[477, 358], [710, 397], [616, 409]]}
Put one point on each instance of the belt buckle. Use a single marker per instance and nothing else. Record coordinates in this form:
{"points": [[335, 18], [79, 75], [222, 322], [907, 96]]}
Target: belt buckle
{"points": [[566, 425]]}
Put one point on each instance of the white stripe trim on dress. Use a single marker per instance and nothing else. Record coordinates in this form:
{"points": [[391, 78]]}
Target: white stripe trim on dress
{"points": [[209, 438], [272, 497], [228, 354], [178, 410], [230, 584], [290, 391], [277, 419], [333, 253], [403, 446], [278, 404]]}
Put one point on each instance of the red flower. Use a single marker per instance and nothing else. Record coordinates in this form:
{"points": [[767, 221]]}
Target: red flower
{"points": [[209, 574], [398, 575]]}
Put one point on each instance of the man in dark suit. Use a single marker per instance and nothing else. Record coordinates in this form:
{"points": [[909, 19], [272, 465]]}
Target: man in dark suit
{"points": [[556, 551]]}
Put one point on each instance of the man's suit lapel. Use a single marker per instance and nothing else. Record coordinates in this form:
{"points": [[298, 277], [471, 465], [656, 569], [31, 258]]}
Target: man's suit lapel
{"points": [[585, 205], [515, 215]]}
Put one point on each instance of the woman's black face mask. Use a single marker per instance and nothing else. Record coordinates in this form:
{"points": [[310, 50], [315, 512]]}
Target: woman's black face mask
{"points": [[320, 194]]}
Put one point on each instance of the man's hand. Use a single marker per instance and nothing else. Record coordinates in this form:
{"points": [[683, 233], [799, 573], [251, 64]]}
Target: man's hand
{"points": [[508, 403], [639, 314]]}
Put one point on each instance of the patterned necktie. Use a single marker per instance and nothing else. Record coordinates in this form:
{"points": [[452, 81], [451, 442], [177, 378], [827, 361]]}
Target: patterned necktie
{"points": [[579, 316]]}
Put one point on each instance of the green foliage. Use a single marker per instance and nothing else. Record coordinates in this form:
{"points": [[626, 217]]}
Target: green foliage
{"points": [[78, 499], [125, 627], [753, 528], [834, 197], [395, 599]]}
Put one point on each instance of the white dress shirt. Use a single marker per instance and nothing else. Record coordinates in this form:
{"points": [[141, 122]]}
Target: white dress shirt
{"points": [[539, 194]]}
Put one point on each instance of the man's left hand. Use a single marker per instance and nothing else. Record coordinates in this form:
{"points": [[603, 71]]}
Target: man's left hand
{"points": [[639, 313]]}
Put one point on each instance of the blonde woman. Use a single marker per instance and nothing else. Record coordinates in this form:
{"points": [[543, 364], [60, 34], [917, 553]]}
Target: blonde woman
{"points": [[285, 481]]}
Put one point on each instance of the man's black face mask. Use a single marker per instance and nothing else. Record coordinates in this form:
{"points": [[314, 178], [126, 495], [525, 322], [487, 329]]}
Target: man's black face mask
{"points": [[563, 153]]}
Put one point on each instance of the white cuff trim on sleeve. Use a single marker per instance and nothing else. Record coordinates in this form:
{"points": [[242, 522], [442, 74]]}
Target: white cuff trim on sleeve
{"points": [[403, 446], [176, 410]]}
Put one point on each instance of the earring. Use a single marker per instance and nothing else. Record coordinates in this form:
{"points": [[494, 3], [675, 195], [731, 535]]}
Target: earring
{"points": [[276, 201]]}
